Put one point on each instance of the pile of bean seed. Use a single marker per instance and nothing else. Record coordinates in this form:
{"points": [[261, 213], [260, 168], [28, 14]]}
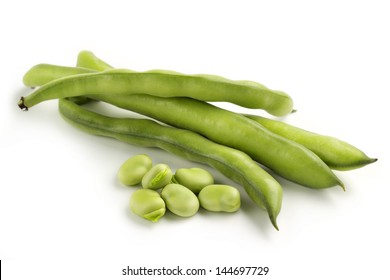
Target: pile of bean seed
{"points": [[182, 193], [184, 121]]}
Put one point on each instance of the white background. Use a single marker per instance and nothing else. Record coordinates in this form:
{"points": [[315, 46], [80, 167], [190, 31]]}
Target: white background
{"points": [[63, 215]]}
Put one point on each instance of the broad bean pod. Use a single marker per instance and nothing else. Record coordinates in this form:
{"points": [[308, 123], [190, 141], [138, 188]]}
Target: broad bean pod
{"points": [[147, 204], [261, 187], [337, 154], [43, 73], [285, 157], [157, 177], [164, 84], [88, 59]]}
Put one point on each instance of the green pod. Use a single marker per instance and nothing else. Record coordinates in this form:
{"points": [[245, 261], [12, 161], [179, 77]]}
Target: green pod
{"points": [[87, 59], [157, 177], [283, 156], [287, 158], [193, 178], [180, 200], [41, 74], [337, 154], [147, 204], [134, 169], [313, 163], [163, 84], [220, 198], [261, 187]]}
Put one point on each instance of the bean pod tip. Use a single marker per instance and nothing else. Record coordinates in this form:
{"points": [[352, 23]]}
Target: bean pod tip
{"points": [[273, 221]]}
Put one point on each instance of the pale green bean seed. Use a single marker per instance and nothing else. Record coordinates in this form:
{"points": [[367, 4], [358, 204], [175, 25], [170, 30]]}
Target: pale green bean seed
{"points": [[220, 198], [147, 204], [193, 178], [180, 200], [133, 170], [157, 177]]}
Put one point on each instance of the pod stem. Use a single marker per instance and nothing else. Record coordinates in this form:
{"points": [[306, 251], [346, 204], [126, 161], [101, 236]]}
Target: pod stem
{"points": [[22, 105]]}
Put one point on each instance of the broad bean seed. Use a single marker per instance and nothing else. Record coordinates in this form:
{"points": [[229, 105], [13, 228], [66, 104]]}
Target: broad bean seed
{"points": [[134, 169], [193, 178], [180, 200], [220, 198], [147, 204], [157, 177]]}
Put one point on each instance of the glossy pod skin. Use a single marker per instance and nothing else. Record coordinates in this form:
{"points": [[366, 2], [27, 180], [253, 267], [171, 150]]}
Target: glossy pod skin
{"points": [[261, 187], [285, 157], [337, 154], [164, 84]]}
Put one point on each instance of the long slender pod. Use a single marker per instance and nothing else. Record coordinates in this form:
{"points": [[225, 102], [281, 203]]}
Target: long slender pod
{"points": [[164, 84], [261, 187], [285, 157], [337, 154]]}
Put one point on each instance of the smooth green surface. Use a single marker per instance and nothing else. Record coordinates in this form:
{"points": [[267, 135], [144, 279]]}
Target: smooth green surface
{"points": [[157, 177], [261, 187], [165, 84], [147, 204], [88, 59], [337, 154], [283, 156], [286, 158], [180, 200], [193, 178], [291, 161], [41, 74], [220, 198], [134, 169]]}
